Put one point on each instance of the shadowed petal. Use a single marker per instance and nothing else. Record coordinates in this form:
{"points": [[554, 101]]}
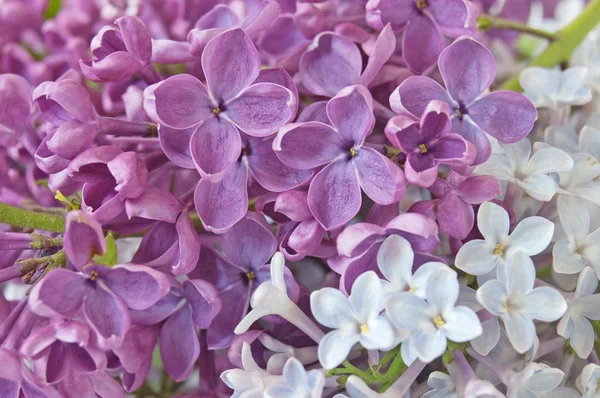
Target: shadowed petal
{"points": [[415, 93], [351, 113], [249, 244], [378, 176], [83, 238], [60, 292], [422, 44], [107, 314], [179, 345], [138, 286]]}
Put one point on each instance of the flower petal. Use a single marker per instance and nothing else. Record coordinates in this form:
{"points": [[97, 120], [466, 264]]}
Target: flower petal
{"points": [[422, 44], [381, 179], [545, 304], [520, 331], [179, 346], [415, 93], [351, 113], [335, 347], [532, 235], [331, 308], [476, 257]]}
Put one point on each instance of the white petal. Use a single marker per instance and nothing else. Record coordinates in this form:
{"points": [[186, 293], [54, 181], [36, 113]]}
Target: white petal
{"points": [[418, 284], [492, 295], [561, 392], [380, 335], [589, 140], [357, 388], [462, 324], [520, 331], [294, 374], [248, 361], [277, 270], [548, 160], [406, 310], [572, 89], [587, 283], [367, 296], [589, 306], [238, 379], [493, 222], [582, 339], [408, 352], [430, 343], [518, 153], [589, 190], [520, 274], [335, 346], [489, 337], [532, 235], [544, 303], [476, 257], [331, 308], [439, 381], [395, 260], [498, 166], [442, 289], [545, 379], [565, 260], [562, 137], [481, 389], [590, 374], [540, 187]]}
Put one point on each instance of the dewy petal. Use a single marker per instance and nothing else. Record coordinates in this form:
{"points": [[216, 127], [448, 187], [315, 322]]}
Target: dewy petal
{"points": [[532, 235], [249, 244], [230, 63], [505, 115], [476, 257], [545, 304], [179, 346], [335, 347], [520, 331], [332, 63], [334, 195], [215, 146], [381, 179], [415, 93], [406, 310], [493, 222], [308, 145], [180, 102], [138, 286], [351, 113], [331, 308], [395, 260], [261, 109], [83, 238], [468, 69], [220, 205], [60, 292], [422, 43]]}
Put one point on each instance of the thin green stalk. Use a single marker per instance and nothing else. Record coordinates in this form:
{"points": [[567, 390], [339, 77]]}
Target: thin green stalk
{"points": [[486, 22], [394, 372], [569, 38], [30, 219]]}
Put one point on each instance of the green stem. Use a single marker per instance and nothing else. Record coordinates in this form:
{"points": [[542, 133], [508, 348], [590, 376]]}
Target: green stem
{"points": [[394, 372], [486, 22], [389, 356], [569, 38], [30, 219]]}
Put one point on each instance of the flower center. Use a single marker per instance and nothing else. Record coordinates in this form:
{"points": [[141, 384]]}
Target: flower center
{"points": [[438, 321], [421, 4], [507, 305], [250, 275], [499, 250], [364, 329], [93, 275], [216, 111], [353, 152], [423, 148]]}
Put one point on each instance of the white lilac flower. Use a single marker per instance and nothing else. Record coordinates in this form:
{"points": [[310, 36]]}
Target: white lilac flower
{"points": [[436, 320], [298, 382], [583, 305], [529, 172], [553, 88], [514, 299], [395, 261], [442, 386], [356, 319], [478, 257], [581, 180], [251, 381], [580, 247], [282, 352], [566, 139], [590, 379], [538, 380]]}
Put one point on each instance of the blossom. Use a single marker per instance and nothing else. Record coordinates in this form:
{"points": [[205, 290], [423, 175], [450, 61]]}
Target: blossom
{"points": [[514, 299], [356, 319], [538, 379], [334, 196], [298, 382], [589, 379], [230, 101], [14, 120], [468, 69], [553, 88], [436, 320], [83, 238]]}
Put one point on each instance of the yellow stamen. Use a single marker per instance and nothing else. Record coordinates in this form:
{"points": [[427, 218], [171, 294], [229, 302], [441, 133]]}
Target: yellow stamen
{"points": [[438, 321], [217, 110], [250, 275], [507, 305], [499, 250], [93, 275], [422, 4], [423, 148], [364, 329], [459, 113], [353, 152]]}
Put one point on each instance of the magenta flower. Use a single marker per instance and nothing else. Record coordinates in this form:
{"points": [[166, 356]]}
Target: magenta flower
{"points": [[230, 101], [424, 24], [334, 196], [428, 143], [468, 69], [14, 119]]}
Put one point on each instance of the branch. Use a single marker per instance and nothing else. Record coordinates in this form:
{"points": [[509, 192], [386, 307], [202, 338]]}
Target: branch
{"points": [[30, 219], [486, 22]]}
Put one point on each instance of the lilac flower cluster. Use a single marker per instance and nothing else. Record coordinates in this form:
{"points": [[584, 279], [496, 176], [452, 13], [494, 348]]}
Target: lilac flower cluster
{"points": [[299, 198]]}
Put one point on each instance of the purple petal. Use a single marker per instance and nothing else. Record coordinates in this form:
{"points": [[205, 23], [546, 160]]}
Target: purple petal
{"points": [[249, 244], [188, 245], [450, 147], [107, 314], [204, 299], [72, 138], [83, 238], [261, 18], [160, 311], [315, 112], [91, 164], [138, 286], [136, 350], [421, 170], [136, 37], [220, 16], [179, 346], [230, 63], [478, 189], [180, 102], [261, 109], [455, 216], [468, 69], [421, 231], [115, 67], [306, 237], [269, 171], [14, 90], [396, 12], [235, 305], [60, 292], [452, 17], [130, 173], [154, 204], [332, 63], [64, 100], [281, 77], [415, 93], [422, 43], [351, 112], [472, 133], [294, 205], [215, 146], [283, 39], [403, 131], [176, 145], [334, 195], [435, 122], [101, 201], [220, 205], [357, 238], [378, 176], [382, 51], [308, 145], [505, 115]]}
